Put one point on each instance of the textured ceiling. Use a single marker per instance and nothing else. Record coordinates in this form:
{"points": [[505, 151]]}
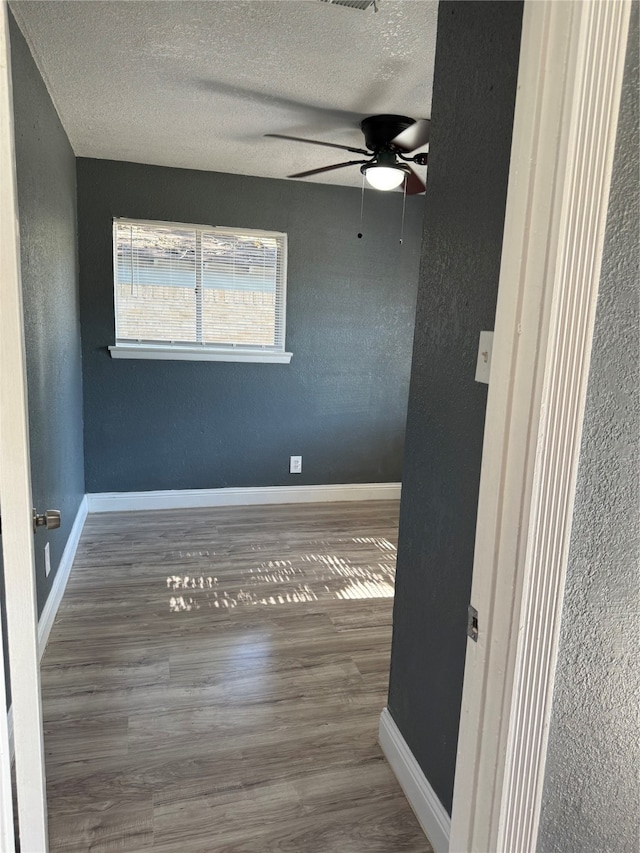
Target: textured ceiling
{"points": [[198, 84]]}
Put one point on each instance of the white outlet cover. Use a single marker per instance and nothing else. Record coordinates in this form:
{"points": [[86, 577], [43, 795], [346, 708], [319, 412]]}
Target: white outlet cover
{"points": [[47, 560], [295, 464], [483, 365]]}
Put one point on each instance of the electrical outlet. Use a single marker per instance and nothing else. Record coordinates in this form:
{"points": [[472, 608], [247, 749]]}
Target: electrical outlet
{"points": [[295, 464], [47, 560]]}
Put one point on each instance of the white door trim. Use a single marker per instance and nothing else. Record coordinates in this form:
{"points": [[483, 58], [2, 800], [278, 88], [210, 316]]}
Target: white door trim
{"points": [[569, 86], [15, 494], [7, 840]]}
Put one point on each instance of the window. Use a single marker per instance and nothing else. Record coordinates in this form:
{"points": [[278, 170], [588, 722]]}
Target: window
{"points": [[198, 292]]}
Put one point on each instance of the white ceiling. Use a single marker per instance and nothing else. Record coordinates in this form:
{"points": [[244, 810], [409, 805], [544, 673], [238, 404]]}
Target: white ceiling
{"points": [[197, 84]]}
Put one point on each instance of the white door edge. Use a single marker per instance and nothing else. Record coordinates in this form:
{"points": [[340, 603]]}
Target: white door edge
{"points": [[569, 86], [7, 840], [15, 495]]}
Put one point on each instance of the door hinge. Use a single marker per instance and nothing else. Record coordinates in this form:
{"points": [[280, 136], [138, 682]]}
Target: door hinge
{"points": [[472, 624]]}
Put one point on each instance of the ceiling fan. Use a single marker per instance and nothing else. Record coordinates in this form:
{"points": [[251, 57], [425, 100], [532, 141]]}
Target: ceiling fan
{"points": [[388, 139]]}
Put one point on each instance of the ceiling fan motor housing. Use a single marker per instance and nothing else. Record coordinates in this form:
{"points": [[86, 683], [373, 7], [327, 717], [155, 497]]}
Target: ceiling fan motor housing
{"points": [[380, 130], [385, 158]]}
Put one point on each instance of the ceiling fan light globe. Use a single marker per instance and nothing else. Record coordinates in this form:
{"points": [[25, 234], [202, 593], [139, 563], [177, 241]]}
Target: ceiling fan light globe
{"points": [[384, 177]]}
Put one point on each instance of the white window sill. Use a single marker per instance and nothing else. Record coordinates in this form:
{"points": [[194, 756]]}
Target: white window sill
{"points": [[187, 353]]}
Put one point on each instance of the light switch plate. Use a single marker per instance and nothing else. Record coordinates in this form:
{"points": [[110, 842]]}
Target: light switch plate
{"points": [[483, 365]]}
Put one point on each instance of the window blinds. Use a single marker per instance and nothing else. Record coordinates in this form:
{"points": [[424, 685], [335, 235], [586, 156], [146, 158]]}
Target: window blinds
{"points": [[189, 284]]}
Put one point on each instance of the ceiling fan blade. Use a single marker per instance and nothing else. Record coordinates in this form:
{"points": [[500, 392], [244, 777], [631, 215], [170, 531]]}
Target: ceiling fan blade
{"points": [[318, 142], [314, 112], [415, 184], [414, 136], [327, 169]]}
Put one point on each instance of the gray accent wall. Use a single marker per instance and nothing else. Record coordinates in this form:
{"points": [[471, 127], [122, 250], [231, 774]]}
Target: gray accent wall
{"points": [[476, 65], [46, 179], [341, 403], [591, 798]]}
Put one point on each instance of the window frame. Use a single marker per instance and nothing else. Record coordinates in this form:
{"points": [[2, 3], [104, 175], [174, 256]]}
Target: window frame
{"points": [[198, 351]]}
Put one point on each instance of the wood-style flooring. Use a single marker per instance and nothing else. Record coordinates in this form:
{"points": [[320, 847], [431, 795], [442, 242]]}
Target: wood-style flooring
{"points": [[213, 683]]}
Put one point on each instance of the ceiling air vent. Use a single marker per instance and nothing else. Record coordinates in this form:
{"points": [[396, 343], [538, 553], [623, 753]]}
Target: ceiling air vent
{"points": [[354, 4]]}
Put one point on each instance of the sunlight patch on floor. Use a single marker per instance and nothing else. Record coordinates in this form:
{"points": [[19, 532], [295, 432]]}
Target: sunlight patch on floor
{"points": [[306, 578]]}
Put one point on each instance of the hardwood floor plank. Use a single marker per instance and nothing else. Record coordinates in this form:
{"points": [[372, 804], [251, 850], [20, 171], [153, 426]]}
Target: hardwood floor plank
{"points": [[82, 822], [213, 683]]}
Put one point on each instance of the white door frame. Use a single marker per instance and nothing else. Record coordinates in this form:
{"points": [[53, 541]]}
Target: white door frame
{"points": [[569, 87], [16, 503]]}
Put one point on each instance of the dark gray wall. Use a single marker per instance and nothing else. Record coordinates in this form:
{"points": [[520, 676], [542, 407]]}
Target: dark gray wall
{"points": [[48, 252], [341, 403], [476, 68], [591, 797], [47, 210]]}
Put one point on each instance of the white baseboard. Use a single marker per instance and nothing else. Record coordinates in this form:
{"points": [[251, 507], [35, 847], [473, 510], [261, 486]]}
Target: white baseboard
{"points": [[192, 498], [432, 815], [50, 609]]}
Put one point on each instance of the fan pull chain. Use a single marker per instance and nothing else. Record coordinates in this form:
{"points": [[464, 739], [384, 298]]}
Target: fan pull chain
{"points": [[404, 202], [361, 208]]}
